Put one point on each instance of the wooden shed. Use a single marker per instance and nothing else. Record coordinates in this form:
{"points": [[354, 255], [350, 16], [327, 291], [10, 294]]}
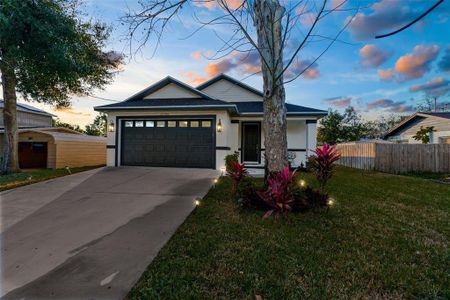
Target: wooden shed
{"points": [[59, 147]]}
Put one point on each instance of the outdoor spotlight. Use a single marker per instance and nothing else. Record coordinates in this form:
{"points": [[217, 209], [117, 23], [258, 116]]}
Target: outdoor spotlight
{"points": [[111, 126], [302, 182], [219, 126], [197, 202], [331, 202]]}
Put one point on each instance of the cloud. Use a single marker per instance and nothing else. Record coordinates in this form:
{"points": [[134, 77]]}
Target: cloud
{"points": [[339, 102], [250, 63], [444, 64], [194, 79], [390, 105], [212, 4], [417, 63], [384, 16], [373, 56], [299, 66], [71, 111], [386, 75], [435, 87], [197, 55]]}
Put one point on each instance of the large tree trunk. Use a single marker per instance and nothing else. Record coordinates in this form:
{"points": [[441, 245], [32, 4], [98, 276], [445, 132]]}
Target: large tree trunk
{"points": [[268, 14], [10, 163]]}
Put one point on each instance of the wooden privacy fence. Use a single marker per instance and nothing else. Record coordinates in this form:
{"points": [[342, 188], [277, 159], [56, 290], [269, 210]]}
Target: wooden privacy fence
{"points": [[396, 158]]}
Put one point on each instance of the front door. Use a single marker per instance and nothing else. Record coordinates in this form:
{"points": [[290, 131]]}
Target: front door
{"points": [[251, 141]]}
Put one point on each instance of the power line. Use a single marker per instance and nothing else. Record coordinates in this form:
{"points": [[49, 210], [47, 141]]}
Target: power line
{"points": [[104, 99], [412, 22]]}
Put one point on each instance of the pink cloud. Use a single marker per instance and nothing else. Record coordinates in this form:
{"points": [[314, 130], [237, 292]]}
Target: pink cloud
{"points": [[390, 105], [299, 66], [435, 87], [386, 75], [212, 4], [197, 55], [417, 63], [194, 79], [373, 56], [340, 102]]}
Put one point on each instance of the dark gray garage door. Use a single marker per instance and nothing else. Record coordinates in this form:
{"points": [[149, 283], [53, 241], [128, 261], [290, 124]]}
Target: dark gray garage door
{"points": [[168, 143]]}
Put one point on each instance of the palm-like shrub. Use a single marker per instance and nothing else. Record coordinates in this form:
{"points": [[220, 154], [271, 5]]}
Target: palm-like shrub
{"points": [[322, 163], [236, 172], [279, 195]]}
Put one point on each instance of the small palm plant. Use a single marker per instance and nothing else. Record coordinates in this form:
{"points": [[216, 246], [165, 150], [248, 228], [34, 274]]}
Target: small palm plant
{"points": [[236, 172], [279, 195], [323, 162]]}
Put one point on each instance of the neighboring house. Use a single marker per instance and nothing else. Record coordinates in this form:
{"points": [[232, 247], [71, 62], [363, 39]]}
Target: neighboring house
{"points": [[404, 132], [28, 116], [172, 124], [43, 146]]}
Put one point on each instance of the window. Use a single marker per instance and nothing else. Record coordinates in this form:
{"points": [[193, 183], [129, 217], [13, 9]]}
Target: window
{"points": [[129, 124], [171, 123], [161, 124], [183, 123], [206, 123], [150, 124], [194, 123], [139, 124]]}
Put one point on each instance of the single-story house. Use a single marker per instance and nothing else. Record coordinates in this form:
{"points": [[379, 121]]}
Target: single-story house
{"points": [[172, 124], [44, 146], [404, 132]]}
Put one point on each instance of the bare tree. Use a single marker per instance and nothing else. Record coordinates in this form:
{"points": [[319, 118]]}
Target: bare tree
{"points": [[270, 27]]}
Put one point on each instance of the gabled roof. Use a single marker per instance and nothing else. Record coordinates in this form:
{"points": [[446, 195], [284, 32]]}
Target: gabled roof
{"points": [[406, 122], [256, 108], [445, 115], [29, 109], [230, 79], [162, 83], [182, 104]]}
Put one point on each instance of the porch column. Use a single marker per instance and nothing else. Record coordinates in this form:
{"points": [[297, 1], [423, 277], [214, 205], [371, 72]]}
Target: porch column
{"points": [[311, 136]]}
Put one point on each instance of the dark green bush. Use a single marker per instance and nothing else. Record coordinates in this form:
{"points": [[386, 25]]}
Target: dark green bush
{"points": [[230, 160]]}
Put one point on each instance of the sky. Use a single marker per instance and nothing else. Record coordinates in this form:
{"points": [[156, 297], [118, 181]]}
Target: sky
{"points": [[379, 77]]}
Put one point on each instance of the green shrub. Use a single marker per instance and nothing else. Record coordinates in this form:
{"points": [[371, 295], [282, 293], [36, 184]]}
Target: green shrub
{"points": [[230, 160]]}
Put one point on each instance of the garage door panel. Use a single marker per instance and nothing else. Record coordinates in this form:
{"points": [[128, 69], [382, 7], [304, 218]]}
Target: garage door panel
{"points": [[168, 146]]}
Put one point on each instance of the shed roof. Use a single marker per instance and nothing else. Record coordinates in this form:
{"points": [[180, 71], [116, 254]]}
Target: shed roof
{"points": [[29, 109], [60, 134]]}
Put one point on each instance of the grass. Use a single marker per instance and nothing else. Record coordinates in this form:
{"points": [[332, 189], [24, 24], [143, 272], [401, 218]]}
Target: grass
{"points": [[386, 237], [428, 175], [32, 176]]}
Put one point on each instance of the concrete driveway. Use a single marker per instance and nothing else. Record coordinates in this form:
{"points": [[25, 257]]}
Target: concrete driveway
{"points": [[91, 235]]}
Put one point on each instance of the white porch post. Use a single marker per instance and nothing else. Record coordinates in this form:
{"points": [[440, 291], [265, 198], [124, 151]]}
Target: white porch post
{"points": [[311, 136]]}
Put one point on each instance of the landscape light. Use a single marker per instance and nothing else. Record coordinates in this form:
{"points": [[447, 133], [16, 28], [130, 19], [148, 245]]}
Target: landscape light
{"points": [[197, 202], [302, 182], [216, 180], [331, 202]]}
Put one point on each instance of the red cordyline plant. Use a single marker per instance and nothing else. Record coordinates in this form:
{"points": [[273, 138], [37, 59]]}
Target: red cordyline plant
{"points": [[278, 194], [323, 162], [237, 172]]}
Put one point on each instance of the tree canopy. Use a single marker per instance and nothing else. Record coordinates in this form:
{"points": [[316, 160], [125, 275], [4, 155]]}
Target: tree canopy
{"points": [[48, 53], [349, 126]]}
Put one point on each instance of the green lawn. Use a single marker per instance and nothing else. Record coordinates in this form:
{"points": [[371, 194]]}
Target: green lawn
{"points": [[31, 176], [387, 237]]}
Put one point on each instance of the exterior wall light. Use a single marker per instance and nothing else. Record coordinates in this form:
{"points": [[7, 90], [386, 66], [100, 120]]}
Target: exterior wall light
{"points": [[111, 126], [219, 126]]}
